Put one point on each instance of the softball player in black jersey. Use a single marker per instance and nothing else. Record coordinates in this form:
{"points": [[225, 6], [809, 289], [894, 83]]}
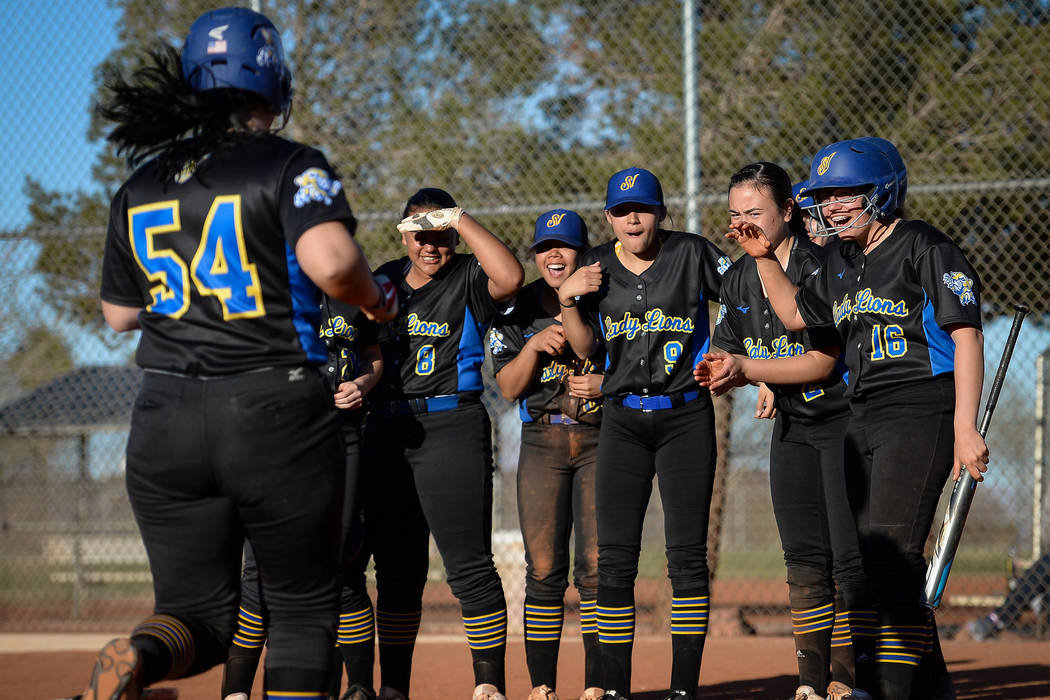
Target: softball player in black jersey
{"points": [[907, 304], [810, 457], [559, 398], [644, 295], [354, 366], [426, 424], [211, 249]]}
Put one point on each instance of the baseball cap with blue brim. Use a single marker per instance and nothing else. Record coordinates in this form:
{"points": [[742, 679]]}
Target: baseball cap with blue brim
{"points": [[800, 193], [560, 225], [634, 185]]}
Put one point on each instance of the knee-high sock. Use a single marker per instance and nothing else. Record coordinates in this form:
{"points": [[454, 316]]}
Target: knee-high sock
{"points": [[397, 642], [898, 652], [592, 660], [864, 630], [812, 632], [842, 662], [248, 640], [168, 647], [689, 618], [543, 625], [355, 640], [615, 613], [487, 639]]}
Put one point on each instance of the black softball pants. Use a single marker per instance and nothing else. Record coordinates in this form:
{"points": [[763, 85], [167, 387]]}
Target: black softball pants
{"points": [[815, 478], [210, 462], [449, 454], [905, 436], [677, 445], [812, 470], [397, 539], [252, 619]]}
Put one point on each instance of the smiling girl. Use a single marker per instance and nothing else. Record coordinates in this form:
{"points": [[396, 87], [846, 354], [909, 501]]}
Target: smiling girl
{"points": [[560, 400]]}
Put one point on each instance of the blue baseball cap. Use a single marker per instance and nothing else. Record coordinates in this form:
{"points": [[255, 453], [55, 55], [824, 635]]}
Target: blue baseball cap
{"points": [[635, 185], [800, 193], [560, 225]]}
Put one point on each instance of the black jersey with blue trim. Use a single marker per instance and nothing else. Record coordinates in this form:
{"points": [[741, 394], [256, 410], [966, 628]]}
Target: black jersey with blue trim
{"points": [[747, 325], [892, 305], [544, 394], [210, 257], [435, 346], [654, 325]]}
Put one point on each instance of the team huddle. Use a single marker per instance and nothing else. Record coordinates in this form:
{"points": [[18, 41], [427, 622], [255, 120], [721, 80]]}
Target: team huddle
{"points": [[313, 416]]}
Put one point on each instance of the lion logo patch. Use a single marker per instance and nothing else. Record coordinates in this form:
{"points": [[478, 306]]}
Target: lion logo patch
{"points": [[315, 185], [961, 286], [496, 343]]}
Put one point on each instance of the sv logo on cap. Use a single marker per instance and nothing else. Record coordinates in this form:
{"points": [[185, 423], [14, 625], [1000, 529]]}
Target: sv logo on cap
{"points": [[555, 220], [628, 182], [825, 163]]}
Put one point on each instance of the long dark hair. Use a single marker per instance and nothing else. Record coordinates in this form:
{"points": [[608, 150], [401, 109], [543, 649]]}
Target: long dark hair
{"points": [[774, 180], [157, 114]]}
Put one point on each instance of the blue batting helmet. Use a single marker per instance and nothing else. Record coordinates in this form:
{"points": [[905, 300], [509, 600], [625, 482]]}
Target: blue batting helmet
{"points": [[234, 47], [898, 165], [854, 163]]}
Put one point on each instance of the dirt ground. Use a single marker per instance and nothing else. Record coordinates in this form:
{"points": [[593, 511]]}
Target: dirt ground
{"points": [[734, 667]]}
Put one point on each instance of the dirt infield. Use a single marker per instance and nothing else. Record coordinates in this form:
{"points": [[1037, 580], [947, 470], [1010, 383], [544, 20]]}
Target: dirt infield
{"points": [[734, 667]]}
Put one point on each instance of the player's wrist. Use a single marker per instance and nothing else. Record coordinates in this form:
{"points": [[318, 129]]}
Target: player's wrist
{"points": [[455, 215]]}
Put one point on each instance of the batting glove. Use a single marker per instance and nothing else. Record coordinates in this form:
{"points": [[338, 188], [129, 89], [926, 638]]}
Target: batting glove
{"points": [[437, 220]]}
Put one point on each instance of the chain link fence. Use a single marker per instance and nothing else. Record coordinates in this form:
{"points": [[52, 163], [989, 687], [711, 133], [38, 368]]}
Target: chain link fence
{"points": [[517, 108]]}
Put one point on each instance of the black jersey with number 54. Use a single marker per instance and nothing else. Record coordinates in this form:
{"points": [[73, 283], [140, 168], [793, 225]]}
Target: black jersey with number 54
{"points": [[210, 257], [654, 325]]}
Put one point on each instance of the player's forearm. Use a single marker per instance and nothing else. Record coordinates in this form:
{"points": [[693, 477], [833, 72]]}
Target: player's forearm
{"points": [[332, 259], [813, 366], [969, 374], [504, 271], [516, 376], [781, 292], [579, 335], [371, 368], [120, 318]]}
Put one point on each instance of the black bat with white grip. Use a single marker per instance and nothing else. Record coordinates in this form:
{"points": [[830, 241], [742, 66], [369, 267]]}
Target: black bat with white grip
{"points": [[962, 495]]}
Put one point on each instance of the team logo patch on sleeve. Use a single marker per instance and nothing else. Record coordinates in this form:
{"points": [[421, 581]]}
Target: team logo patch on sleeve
{"points": [[721, 313], [496, 343], [961, 286], [315, 185], [723, 264]]}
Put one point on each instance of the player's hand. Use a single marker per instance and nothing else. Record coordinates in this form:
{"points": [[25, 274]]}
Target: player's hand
{"points": [[585, 386], [348, 396], [751, 238], [971, 451], [436, 220], [386, 308], [585, 280], [719, 372], [550, 340], [764, 406]]}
